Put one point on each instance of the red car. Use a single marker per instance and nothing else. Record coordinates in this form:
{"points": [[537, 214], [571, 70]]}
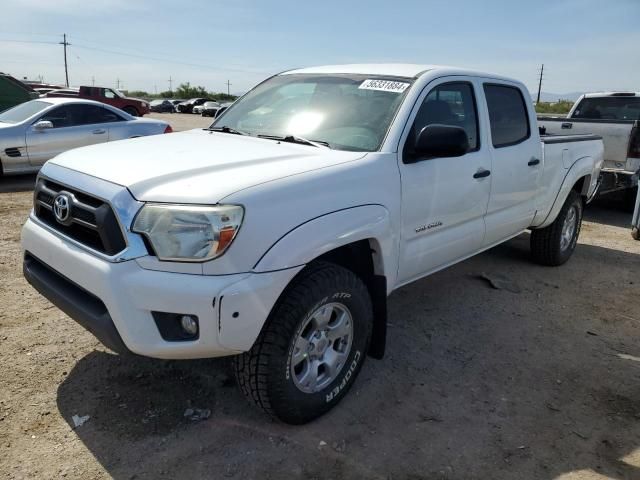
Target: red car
{"points": [[132, 106]]}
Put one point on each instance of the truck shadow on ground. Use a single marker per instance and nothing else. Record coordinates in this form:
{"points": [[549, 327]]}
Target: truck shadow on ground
{"points": [[611, 209], [477, 383]]}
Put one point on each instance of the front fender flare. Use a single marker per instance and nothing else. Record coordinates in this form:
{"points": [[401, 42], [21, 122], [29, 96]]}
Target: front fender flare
{"points": [[320, 235]]}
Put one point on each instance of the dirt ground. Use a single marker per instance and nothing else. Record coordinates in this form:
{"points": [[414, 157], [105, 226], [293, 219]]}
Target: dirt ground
{"points": [[477, 383]]}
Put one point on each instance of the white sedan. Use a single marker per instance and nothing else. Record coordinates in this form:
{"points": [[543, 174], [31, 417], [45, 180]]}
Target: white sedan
{"points": [[33, 132]]}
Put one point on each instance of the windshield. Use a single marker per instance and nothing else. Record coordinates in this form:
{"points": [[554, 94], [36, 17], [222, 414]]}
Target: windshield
{"points": [[609, 108], [347, 112], [21, 112]]}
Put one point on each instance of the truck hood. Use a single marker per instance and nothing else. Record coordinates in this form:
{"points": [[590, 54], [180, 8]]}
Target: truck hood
{"points": [[197, 166]]}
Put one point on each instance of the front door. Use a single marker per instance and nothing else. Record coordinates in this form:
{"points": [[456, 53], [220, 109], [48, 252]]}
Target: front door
{"points": [[74, 126], [444, 200]]}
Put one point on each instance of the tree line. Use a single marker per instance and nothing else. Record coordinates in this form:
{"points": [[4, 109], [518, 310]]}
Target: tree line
{"points": [[184, 90]]}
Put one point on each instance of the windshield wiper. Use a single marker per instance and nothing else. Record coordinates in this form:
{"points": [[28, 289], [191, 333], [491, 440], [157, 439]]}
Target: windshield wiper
{"points": [[226, 129], [297, 139]]}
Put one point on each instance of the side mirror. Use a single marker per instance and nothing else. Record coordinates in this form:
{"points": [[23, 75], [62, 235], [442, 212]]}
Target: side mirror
{"points": [[441, 141], [42, 125]]}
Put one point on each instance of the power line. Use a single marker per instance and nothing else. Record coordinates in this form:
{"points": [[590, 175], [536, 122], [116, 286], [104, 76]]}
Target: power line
{"points": [[165, 60], [28, 41]]}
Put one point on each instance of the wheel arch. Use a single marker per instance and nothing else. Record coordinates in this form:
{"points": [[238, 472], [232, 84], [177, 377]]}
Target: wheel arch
{"points": [[579, 178], [360, 239]]}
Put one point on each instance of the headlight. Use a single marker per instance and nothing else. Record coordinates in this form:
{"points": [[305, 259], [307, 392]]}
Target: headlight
{"points": [[188, 233]]}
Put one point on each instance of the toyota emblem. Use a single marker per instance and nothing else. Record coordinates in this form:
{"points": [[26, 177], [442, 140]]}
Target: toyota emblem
{"points": [[61, 207]]}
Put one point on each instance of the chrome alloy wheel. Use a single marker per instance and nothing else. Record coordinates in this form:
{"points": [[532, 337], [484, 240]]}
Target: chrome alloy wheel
{"points": [[322, 347], [568, 228]]}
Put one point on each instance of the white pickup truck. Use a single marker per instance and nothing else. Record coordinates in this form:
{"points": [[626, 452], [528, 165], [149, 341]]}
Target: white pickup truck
{"points": [[277, 234], [615, 116]]}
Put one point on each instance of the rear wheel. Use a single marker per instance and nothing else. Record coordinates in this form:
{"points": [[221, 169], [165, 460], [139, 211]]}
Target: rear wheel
{"points": [[312, 347], [554, 245], [131, 111]]}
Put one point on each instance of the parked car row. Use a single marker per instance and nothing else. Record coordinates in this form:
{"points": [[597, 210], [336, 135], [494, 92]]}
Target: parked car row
{"points": [[199, 106]]}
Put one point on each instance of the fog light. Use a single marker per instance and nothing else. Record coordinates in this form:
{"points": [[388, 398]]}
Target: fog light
{"points": [[189, 324]]}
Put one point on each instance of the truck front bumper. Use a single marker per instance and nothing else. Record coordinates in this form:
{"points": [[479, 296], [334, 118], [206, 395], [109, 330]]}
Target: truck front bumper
{"points": [[115, 301]]}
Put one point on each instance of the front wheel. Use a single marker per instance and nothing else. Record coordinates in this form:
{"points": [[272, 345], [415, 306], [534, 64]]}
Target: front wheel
{"points": [[554, 245], [131, 111], [312, 347]]}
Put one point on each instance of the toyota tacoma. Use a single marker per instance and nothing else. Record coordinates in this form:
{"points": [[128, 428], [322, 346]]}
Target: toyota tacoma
{"points": [[276, 234]]}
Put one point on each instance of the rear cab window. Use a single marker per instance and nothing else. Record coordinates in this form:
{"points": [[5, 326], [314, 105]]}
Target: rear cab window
{"points": [[508, 115], [621, 107]]}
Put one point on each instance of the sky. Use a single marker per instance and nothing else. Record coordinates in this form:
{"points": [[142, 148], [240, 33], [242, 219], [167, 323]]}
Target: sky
{"points": [[585, 45]]}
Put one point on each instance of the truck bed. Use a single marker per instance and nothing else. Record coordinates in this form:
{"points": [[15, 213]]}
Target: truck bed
{"points": [[615, 134]]}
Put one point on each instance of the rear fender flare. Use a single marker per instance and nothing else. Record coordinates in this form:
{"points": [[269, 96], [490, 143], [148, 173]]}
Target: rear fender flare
{"points": [[581, 168]]}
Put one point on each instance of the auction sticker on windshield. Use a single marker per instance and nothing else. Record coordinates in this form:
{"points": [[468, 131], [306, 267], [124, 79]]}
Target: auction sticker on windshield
{"points": [[384, 85]]}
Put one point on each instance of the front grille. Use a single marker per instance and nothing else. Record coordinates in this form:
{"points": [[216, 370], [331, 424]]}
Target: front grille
{"points": [[90, 221]]}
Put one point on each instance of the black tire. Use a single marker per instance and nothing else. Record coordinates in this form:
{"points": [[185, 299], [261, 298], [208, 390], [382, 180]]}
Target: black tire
{"points": [[266, 373], [547, 243], [131, 111]]}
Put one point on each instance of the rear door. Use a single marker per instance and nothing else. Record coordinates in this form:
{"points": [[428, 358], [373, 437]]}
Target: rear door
{"points": [[516, 154], [444, 200], [74, 125]]}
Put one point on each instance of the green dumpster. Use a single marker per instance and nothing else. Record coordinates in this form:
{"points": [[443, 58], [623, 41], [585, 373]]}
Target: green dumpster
{"points": [[14, 92]]}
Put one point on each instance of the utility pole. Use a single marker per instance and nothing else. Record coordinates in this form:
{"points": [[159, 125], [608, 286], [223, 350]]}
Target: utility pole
{"points": [[228, 88], [93, 81], [540, 83], [155, 88], [117, 84], [170, 83], [66, 44]]}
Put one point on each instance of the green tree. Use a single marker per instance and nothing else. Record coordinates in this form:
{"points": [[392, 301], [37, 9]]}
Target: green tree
{"points": [[185, 90], [137, 93], [559, 107]]}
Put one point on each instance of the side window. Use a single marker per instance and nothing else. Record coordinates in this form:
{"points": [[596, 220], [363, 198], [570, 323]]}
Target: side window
{"points": [[93, 114], [448, 104], [107, 116], [60, 117], [507, 115], [109, 93]]}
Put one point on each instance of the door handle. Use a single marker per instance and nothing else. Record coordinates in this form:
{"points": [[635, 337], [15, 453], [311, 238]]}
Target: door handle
{"points": [[99, 131], [567, 125], [482, 173], [533, 161]]}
